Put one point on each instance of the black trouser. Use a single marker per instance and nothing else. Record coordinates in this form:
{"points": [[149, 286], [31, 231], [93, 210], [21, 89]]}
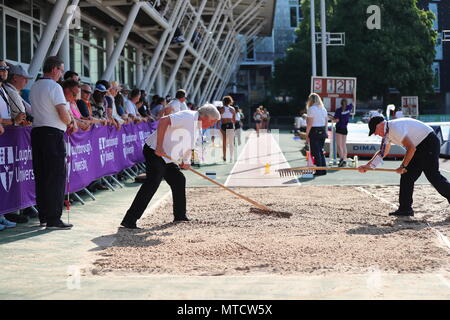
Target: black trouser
{"points": [[317, 137], [49, 165], [426, 160], [157, 169]]}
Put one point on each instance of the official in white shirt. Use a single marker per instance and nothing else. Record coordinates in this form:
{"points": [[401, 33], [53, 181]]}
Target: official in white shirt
{"points": [[51, 119], [316, 130], [177, 104], [176, 136], [422, 155]]}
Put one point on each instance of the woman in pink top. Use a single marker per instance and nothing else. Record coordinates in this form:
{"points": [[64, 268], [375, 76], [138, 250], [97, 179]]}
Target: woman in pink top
{"points": [[71, 90]]}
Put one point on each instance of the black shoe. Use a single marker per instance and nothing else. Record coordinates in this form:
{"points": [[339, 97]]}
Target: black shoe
{"points": [[399, 213], [28, 212], [320, 173], [59, 226], [129, 225], [17, 218], [342, 163]]}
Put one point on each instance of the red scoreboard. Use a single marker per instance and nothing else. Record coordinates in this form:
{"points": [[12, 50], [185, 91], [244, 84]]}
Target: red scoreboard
{"points": [[333, 89]]}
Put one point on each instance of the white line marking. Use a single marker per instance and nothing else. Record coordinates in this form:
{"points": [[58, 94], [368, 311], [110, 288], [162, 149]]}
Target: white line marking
{"points": [[238, 159], [274, 145], [377, 197], [442, 239]]}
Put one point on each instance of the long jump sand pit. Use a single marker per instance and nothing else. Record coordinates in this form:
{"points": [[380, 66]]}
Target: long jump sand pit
{"points": [[332, 229]]}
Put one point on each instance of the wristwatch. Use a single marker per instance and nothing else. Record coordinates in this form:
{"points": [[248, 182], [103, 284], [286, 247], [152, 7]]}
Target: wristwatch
{"points": [[402, 166]]}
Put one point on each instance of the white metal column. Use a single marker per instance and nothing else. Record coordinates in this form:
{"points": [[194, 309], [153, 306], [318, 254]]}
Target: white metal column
{"points": [[111, 64], [64, 51], [64, 29], [185, 45], [210, 55], [250, 34], [218, 66], [145, 83], [139, 64], [109, 44], [205, 43], [46, 39], [159, 84], [178, 15], [227, 59]]}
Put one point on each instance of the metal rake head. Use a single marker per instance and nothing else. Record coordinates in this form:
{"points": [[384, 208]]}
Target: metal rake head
{"points": [[288, 172]]}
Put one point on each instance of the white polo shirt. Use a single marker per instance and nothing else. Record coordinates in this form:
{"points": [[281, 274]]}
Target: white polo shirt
{"points": [[45, 95], [131, 107], [414, 129], [177, 105], [180, 136], [319, 115]]}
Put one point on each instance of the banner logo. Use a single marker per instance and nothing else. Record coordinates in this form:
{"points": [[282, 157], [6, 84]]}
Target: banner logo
{"points": [[6, 167]]}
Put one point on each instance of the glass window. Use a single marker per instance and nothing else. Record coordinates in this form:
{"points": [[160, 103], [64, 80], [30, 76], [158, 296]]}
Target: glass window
{"points": [[36, 35], [25, 42], [433, 7], [23, 6], [86, 62], [72, 52], [93, 64], [122, 72], [36, 11], [12, 52], [437, 76], [293, 15], [439, 55], [77, 65], [131, 74], [250, 50]]}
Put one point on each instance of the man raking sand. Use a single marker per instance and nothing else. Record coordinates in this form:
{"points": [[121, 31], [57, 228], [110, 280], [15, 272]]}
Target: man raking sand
{"points": [[422, 155]]}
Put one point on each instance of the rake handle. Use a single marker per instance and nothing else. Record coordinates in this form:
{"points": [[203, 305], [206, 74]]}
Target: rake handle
{"points": [[256, 204], [337, 168]]}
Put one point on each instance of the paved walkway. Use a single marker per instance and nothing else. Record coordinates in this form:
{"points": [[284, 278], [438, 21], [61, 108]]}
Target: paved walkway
{"points": [[37, 264]]}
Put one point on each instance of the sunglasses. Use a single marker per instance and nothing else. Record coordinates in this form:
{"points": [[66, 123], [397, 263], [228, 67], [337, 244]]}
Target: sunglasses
{"points": [[86, 91], [4, 68]]}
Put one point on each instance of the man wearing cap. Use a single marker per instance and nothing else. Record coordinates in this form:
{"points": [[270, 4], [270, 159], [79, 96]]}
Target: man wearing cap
{"points": [[422, 155], [17, 80], [6, 105]]}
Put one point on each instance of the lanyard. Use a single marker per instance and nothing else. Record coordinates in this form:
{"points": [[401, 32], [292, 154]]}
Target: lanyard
{"points": [[384, 141], [2, 93]]}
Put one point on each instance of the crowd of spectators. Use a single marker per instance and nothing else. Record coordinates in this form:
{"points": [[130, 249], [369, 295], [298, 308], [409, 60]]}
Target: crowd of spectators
{"points": [[70, 105]]}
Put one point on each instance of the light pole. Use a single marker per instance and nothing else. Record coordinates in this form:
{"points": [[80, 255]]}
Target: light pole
{"points": [[313, 40], [323, 27]]}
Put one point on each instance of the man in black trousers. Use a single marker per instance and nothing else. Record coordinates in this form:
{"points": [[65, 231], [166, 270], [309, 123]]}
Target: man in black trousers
{"points": [[176, 136], [422, 155], [51, 119]]}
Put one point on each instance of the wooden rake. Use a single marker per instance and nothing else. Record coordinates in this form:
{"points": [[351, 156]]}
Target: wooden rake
{"points": [[253, 202], [305, 170]]}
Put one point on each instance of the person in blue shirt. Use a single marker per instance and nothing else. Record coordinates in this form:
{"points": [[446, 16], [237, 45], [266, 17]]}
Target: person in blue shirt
{"points": [[341, 117]]}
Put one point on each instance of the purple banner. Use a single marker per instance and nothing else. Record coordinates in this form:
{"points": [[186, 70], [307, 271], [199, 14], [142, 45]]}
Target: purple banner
{"points": [[91, 154], [16, 170]]}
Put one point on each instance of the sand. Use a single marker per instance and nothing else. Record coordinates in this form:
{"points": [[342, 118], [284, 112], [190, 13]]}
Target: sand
{"points": [[332, 229]]}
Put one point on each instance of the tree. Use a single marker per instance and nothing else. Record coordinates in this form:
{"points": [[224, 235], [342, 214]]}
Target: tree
{"points": [[399, 55]]}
